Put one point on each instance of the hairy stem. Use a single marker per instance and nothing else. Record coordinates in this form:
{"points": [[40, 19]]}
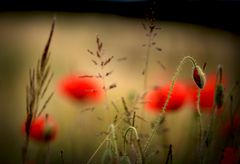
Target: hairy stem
{"points": [[201, 137], [158, 120], [199, 115]]}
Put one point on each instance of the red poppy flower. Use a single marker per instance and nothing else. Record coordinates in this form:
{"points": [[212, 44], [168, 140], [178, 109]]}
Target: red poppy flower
{"points": [[156, 98], [206, 94], [81, 88], [43, 129], [230, 156]]}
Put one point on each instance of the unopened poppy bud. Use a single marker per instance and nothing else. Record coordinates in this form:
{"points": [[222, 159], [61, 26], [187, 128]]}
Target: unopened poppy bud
{"points": [[199, 77], [219, 95]]}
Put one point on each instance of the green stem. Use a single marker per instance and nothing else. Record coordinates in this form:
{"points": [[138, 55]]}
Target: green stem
{"points": [[141, 156], [199, 114], [112, 132], [101, 144], [133, 123], [175, 77], [95, 152], [168, 98], [114, 137], [125, 136], [201, 137]]}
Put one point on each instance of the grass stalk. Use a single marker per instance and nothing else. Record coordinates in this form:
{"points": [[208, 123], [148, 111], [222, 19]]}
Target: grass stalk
{"points": [[158, 120]]}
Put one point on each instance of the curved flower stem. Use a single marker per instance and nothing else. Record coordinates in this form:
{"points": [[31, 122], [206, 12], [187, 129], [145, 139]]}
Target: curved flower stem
{"points": [[175, 77], [167, 100], [114, 140], [141, 156]]}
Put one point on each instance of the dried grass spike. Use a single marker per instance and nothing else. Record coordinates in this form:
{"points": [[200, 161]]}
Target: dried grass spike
{"points": [[90, 52], [158, 49], [86, 76], [94, 62], [108, 73], [45, 52], [108, 60], [112, 86], [122, 59]]}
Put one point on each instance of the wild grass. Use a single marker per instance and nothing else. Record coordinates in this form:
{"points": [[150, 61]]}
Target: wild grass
{"points": [[124, 140]]}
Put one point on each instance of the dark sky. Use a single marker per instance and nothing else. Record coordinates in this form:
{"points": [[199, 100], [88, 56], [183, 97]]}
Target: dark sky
{"points": [[221, 14]]}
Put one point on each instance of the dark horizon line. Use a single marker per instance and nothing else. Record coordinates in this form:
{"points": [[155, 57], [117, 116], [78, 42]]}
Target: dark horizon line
{"points": [[215, 14]]}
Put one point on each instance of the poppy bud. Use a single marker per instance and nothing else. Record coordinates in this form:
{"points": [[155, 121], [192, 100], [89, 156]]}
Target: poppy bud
{"points": [[208, 93], [219, 95], [199, 77]]}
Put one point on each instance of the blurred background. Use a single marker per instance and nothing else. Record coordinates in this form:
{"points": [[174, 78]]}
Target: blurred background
{"points": [[208, 31]]}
